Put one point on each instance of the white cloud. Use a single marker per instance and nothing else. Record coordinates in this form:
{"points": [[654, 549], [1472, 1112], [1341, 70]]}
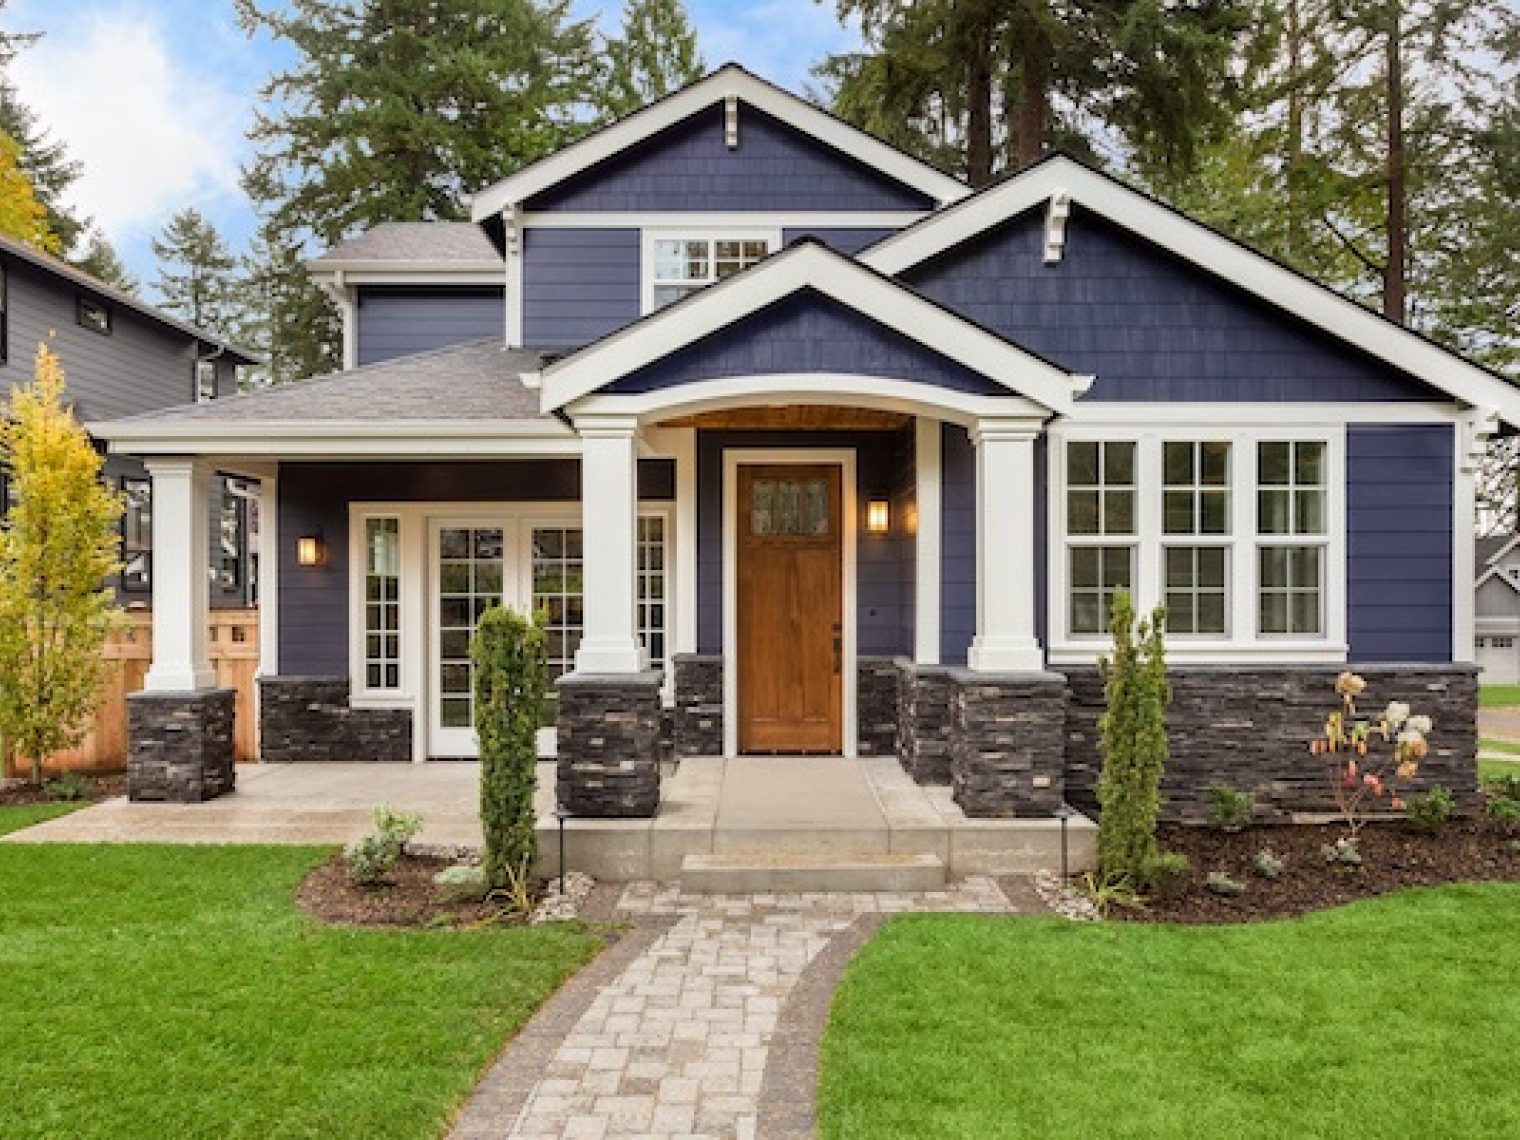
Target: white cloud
{"points": [[152, 132]]}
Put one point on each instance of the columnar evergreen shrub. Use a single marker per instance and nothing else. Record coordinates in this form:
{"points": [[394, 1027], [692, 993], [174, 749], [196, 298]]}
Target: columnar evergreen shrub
{"points": [[510, 681], [1133, 732]]}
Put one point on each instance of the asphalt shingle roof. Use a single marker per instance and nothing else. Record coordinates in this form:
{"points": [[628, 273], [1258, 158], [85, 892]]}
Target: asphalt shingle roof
{"points": [[436, 242], [478, 380]]}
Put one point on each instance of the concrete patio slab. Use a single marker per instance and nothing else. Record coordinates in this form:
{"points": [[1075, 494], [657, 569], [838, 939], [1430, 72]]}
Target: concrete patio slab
{"points": [[810, 811]]}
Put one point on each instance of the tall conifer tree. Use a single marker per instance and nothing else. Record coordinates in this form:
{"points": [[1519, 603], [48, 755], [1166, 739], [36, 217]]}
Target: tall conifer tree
{"points": [[655, 55]]}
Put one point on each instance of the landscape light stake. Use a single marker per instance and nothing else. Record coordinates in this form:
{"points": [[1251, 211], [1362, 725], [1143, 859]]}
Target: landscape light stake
{"points": [[561, 813], [1064, 814]]}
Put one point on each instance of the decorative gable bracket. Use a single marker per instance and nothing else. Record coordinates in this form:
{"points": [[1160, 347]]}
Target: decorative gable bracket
{"points": [[1056, 213], [731, 122]]}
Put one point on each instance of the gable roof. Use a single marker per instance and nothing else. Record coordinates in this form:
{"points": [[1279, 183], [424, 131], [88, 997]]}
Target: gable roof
{"points": [[1062, 178], [728, 80], [808, 266], [462, 244], [57, 267]]}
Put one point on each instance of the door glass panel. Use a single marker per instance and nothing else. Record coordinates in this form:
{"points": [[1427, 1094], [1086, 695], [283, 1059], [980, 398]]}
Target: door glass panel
{"points": [[557, 592], [790, 507], [469, 583]]}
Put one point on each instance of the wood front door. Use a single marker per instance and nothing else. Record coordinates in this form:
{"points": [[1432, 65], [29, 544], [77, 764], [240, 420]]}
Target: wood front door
{"points": [[790, 593]]}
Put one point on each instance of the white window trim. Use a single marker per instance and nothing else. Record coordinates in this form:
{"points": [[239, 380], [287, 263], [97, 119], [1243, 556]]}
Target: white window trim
{"points": [[1242, 644], [699, 230], [417, 580]]}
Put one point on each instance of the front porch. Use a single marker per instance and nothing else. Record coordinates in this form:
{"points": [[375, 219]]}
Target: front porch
{"points": [[750, 823]]}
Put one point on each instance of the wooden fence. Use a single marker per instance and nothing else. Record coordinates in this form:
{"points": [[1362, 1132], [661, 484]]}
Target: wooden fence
{"points": [[234, 652]]}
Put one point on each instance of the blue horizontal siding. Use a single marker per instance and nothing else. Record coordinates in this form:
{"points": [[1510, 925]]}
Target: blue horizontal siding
{"points": [[957, 612], [848, 240], [688, 166], [1399, 534], [401, 321], [806, 333], [578, 284], [315, 498], [1149, 326]]}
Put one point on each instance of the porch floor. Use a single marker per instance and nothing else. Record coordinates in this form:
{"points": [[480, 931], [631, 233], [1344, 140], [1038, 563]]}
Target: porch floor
{"points": [[771, 810]]}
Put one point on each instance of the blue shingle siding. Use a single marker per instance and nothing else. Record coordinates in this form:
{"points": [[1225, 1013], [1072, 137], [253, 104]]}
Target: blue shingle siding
{"points": [[806, 332], [315, 497], [688, 166], [1149, 326], [399, 322], [957, 607], [1399, 523], [578, 284], [848, 240], [878, 558]]}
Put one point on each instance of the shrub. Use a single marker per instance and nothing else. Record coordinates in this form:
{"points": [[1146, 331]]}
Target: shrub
{"points": [[1220, 883], [1133, 731], [510, 682], [1430, 811], [462, 882], [1229, 809], [1107, 893], [1369, 757], [69, 786], [1504, 811], [1165, 872], [1504, 787], [369, 858], [1268, 864], [1342, 853]]}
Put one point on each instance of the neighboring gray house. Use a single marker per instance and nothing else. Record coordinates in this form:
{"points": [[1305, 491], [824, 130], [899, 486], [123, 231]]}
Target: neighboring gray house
{"points": [[803, 446], [1497, 609], [124, 357]]}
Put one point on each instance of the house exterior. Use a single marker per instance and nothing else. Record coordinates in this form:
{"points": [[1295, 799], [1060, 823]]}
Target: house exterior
{"points": [[800, 446], [1496, 604], [123, 357]]}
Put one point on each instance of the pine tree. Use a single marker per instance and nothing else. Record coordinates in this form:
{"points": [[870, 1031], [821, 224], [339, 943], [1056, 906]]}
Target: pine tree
{"points": [[98, 257], [198, 278], [993, 83], [22, 216], [655, 55], [287, 318], [59, 546]]}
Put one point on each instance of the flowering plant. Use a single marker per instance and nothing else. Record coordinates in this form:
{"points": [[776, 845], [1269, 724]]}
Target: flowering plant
{"points": [[1372, 757]]}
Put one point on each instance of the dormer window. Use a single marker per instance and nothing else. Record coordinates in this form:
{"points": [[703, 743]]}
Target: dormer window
{"points": [[678, 264], [93, 315]]}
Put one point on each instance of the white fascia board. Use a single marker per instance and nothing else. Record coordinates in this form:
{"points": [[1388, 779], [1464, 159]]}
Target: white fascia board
{"points": [[729, 80], [1166, 228], [807, 267], [342, 439], [409, 272], [721, 219]]}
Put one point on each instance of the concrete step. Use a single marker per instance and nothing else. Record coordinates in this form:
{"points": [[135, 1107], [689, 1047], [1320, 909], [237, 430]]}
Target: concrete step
{"points": [[756, 872]]}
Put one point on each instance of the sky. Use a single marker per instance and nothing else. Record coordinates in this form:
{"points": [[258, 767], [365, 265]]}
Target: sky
{"points": [[154, 97]]}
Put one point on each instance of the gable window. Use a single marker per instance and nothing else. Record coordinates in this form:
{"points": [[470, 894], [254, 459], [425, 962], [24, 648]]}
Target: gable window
{"points": [[92, 315], [1233, 531], [205, 381], [678, 264]]}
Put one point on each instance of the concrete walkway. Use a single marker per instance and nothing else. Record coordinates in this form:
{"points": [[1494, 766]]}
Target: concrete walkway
{"points": [[703, 1023]]}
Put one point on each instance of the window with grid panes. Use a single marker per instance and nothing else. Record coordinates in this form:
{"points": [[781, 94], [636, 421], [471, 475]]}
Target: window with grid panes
{"points": [[1100, 505], [1291, 497], [1195, 502], [382, 603], [684, 265]]}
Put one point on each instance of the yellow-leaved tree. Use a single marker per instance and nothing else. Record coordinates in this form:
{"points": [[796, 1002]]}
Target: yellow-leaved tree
{"points": [[58, 547], [21, 214]]}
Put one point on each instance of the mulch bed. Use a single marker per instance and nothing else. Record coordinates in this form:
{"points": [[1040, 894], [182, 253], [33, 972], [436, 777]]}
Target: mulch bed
{"points": [[101, 788], [407, 898], [1394, 856]]}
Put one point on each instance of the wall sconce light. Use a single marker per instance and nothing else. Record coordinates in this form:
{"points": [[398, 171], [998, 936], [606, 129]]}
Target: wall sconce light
{"points": [[311, 550], [878, 516]]}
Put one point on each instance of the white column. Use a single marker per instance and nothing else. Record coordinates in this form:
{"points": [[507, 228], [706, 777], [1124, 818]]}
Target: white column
{"points": [[181, 576], [269, 575], [926, 541], [1005, 514], [609, 521]]}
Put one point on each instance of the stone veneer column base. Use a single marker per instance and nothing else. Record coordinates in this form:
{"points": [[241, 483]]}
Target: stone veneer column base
{"points": [[697, 721], [181, 747], [1249, 728], [310, 718], [609, 745], [925, 704], [1006, 737], [876, 713]]}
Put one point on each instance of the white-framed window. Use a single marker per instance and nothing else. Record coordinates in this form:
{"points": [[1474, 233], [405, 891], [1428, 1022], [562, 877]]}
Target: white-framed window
{"points": [[1237, 530], [382, 603], [680, 262]]}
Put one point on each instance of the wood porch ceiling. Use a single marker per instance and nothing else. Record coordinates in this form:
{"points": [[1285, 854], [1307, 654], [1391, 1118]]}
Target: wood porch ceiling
{"points": [[795, 417]]}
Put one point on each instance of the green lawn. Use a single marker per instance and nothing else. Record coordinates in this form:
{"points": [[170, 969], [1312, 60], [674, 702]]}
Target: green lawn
{"points": [[15, 817], [1391, 1018], [176, 992], [1498, 696]]}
